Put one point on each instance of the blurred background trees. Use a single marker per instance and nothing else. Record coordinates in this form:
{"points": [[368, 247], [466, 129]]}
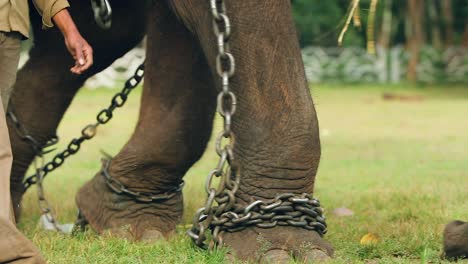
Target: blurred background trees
{"points": [[440, 23], [424, 41], [430, 35]]}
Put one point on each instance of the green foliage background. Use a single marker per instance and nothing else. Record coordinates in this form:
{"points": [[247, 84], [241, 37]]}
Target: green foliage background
{"points": [[319, 22]]}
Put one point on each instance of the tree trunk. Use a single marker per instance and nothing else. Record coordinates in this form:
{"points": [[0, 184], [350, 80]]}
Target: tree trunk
{"points": [[386, 31], [447, 14], [465, 36], [416, 36], [434, 16]]}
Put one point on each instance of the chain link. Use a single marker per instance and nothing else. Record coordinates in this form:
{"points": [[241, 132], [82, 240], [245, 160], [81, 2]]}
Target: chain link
{"points": [[44, 204], [227, 170], [145, 197], [102, 13], [286, 209]]}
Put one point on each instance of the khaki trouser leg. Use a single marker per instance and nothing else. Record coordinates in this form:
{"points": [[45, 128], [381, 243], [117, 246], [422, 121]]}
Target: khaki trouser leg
{"points": [[14, 247], [6, 159], [9, 57]]}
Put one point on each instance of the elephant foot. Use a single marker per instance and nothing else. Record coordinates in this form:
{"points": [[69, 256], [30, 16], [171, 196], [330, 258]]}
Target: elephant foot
{"points": [[456, 240], [121, 215], [280, 244]]}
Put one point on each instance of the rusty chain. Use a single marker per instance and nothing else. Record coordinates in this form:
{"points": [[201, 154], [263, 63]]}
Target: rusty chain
{"points": [[226, 170], [287, 209], [119, 188], [89, 131], [221, 213], [145, 197], [42, 169]]}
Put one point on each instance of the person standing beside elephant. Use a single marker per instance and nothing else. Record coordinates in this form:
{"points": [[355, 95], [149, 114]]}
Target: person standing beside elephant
{"points": [[14, 26]]}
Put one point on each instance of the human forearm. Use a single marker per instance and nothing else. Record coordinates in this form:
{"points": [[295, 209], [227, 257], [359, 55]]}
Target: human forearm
{"points": [[77, 46], [55, 12], [65, 23]]}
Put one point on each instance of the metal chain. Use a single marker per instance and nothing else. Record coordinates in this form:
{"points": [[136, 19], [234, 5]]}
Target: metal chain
{"points": [[38, 162], [42, 169], [287, 209], [80, 224], [89, 131], [145, 197], [44, 204], [24, 135], [227, 170], [226, 215], [102, 13]]}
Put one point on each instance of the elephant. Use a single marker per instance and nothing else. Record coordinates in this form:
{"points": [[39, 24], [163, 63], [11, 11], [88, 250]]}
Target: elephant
{"points": [[276, 128], [277, 144]]}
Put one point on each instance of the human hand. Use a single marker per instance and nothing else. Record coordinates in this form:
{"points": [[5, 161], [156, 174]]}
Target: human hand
{"points": [[81, 52], [78, 47]]}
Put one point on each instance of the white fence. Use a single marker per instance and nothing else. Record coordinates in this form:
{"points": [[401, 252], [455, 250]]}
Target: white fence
{"points": [[353, 65], [387, 66]]}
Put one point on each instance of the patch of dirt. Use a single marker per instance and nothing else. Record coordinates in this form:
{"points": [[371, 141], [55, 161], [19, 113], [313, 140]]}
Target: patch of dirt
{"points": [[402, 97]]}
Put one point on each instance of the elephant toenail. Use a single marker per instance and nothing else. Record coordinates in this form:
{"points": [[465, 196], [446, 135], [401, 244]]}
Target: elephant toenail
{"points": [[316, 256], [276, 256], [150, 236]]}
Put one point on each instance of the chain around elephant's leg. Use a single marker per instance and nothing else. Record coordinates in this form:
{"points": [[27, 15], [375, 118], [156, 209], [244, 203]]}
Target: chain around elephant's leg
{"points": [[277, 147], [137, 194]]}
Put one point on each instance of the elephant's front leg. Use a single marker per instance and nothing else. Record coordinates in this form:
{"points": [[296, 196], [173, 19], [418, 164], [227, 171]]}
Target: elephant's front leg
{"points": [[277, 138], [172, 132]]}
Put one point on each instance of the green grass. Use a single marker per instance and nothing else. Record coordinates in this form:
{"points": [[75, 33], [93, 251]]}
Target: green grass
{"points": [[401, 166]]}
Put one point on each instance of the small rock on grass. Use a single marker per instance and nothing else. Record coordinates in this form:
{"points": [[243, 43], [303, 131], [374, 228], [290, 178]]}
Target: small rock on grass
{"points": [[342, 211], [369, 239]]}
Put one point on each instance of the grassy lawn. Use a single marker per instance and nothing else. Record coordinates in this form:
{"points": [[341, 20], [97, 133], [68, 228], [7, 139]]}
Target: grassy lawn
{"points": [[400, 165]]}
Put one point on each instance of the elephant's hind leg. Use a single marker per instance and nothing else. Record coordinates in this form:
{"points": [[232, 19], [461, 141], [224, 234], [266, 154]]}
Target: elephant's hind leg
{"points": [[45, 87], [42, 93], [173, 129]]}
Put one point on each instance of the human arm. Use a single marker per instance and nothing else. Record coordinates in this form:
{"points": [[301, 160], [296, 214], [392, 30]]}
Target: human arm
{"points": [[78, 47], [55, 12]]}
